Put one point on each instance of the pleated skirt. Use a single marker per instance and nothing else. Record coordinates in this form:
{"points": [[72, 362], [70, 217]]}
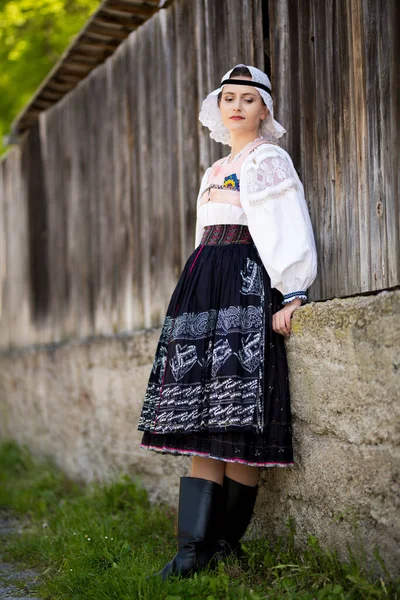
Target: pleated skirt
{"points": [[219, 385]]}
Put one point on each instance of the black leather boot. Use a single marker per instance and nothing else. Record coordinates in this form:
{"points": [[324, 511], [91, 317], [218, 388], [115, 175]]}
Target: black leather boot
{"points": [[200, 503], [238, 506]]}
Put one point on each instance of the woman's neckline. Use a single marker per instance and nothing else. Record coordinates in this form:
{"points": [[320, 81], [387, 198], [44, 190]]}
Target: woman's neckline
{"points": [[226, 160], [239, 154]]}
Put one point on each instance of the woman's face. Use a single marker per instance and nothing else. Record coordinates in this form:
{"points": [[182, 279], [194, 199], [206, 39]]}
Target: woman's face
{"points": [[242, 101]]}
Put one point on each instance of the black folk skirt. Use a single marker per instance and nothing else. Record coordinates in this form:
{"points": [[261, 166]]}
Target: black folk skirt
{"points": [[219, 385]]}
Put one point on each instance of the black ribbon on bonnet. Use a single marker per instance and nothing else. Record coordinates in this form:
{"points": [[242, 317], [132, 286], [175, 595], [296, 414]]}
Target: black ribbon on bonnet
{"points": [[246, 82]]}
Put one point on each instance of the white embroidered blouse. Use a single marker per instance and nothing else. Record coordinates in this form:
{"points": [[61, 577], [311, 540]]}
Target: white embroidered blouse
{"points": [[261, 189]]}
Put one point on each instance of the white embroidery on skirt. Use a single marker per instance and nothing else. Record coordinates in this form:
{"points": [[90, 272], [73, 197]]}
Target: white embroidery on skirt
{"points": [[195, 326], [183, 361], [159, 361], [222, 351], [215, 399], [250, 353], [180, 408], [251, 279]]}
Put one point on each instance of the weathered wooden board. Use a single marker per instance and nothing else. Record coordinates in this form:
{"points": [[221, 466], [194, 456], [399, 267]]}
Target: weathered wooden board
{"points": [[97, 206], [337, 92], [15, 316]]}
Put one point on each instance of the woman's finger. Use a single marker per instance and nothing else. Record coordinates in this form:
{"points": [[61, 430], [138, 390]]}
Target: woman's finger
{"points": [[281, 324], [284, 326], [275, 323], [287, 320]]}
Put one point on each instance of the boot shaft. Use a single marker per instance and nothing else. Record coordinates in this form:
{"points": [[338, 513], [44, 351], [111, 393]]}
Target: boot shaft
{"points": [[200, 503], [239, 502]]}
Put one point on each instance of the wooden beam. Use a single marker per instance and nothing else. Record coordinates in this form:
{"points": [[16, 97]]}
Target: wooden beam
{"points": [[79, 58], [81, 73], [84, 66], [42, 103], [108, 32], [88, 49], [46, 94], [53, 85], [69, 78], [130, 8], [128, 21], [31, 115], [99, 45]]}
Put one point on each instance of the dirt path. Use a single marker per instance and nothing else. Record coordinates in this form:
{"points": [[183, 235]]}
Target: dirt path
{"points": [[9, 573]]}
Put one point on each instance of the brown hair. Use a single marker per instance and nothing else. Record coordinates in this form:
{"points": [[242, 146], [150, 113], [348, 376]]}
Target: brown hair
{"points": [[239, 72]]}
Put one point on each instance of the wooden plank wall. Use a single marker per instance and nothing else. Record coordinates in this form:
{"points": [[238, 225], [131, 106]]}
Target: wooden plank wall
{"points": [[15, 314], [97, 206], [98, 203], [334, 67]]}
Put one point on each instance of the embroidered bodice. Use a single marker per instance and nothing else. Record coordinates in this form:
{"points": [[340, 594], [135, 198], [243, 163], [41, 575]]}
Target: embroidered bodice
{"points": [[260, 188], [220, 201]]}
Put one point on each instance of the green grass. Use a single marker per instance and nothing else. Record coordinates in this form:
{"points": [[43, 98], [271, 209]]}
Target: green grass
{"points": [[100, 541]]}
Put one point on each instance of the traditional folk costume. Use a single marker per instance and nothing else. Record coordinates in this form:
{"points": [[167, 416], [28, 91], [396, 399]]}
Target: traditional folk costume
{"points": [[219, 385]]}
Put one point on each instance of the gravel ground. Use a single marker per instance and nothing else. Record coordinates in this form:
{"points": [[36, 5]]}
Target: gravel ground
{"points": [[9, 573]]}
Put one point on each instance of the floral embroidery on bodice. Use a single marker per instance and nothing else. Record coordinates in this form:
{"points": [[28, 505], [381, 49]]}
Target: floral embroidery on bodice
{"points": [[220, 202], [224, 180]]}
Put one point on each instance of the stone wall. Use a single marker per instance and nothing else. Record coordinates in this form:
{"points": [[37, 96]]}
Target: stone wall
{"points": [[344, 361], [80, 402]]}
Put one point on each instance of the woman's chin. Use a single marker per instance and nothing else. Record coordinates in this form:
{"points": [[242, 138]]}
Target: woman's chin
{"points": [[236, 126]]}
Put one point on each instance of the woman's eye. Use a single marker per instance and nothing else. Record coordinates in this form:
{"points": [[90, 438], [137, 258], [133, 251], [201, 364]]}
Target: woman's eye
{"points": [[248, 101]]}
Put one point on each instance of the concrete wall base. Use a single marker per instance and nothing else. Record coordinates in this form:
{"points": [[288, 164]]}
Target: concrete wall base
{"points": [[80, 402]]}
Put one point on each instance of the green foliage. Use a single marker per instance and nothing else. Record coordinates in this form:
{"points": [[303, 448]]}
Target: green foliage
{"points": [[33, 35], [99, 542]]}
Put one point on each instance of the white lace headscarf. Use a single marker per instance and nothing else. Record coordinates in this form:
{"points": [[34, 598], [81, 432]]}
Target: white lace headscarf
{"points": [[210, 114]]}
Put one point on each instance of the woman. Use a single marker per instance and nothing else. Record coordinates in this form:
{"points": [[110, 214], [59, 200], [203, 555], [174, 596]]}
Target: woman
{"points": [[219, 389]]}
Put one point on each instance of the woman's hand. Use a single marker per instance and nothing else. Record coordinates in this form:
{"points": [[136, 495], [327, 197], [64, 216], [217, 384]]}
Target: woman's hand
{"points": [[281, 319]]}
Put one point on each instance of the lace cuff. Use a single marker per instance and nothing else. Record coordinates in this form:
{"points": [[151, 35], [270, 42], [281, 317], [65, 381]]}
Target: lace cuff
{"points": [[271, 177], [299, 294]]}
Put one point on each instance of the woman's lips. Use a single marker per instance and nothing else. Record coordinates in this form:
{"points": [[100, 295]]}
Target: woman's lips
{"points": [[237, 118]]}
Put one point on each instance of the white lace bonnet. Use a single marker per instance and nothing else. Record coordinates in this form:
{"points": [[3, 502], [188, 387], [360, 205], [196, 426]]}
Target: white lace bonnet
{"points": [[210, 115]]}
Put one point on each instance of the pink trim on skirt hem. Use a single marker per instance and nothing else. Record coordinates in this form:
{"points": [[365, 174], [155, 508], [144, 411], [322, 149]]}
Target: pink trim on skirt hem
{"points": [[207, 455]]}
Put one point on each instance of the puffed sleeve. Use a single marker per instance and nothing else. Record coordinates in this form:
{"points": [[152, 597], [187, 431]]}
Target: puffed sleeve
{"points": [[199, 230], [272, 196]]}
